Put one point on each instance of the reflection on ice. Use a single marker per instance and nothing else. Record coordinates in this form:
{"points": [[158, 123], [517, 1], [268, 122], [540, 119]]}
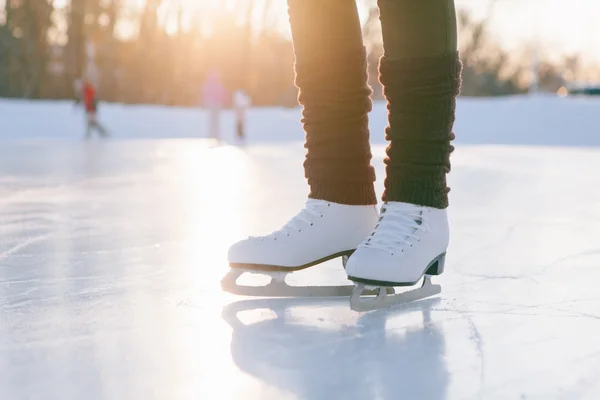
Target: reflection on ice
{"points": [[351, 354]]}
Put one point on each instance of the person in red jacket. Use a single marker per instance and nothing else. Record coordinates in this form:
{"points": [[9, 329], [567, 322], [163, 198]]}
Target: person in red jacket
{"points": [[89, 100]]}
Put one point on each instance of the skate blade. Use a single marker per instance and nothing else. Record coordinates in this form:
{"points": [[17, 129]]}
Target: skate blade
{"points": [[279, 288], [385, 300]]}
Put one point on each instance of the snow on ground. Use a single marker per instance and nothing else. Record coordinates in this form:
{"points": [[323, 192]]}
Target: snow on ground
{"points": [[541, 120], [111, 254]]}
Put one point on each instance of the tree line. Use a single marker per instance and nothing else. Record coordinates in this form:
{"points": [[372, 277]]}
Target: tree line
{"points": [[160, 52]]}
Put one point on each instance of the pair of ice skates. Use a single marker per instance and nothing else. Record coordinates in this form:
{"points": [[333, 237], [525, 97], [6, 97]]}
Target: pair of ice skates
{"points": [[399, 247]]}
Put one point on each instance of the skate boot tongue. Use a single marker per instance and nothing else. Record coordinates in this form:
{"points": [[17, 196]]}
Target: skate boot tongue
{"points": [[397, 225], [313, 203]]}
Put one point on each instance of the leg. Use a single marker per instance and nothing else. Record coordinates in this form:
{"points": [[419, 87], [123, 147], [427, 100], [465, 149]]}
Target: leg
{"points": [[331, 74], [90, 118], [240, 127], [101, 129], [420, 72], [214, 123]]}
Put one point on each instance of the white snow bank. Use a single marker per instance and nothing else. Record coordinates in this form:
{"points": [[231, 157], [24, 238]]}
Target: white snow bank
{"points": [[520, 120]]}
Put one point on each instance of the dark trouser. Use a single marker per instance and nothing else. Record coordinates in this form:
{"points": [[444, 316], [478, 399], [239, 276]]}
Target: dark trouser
{"points": [[214, 122], [92, 123], [420, 72], [240, 128]]}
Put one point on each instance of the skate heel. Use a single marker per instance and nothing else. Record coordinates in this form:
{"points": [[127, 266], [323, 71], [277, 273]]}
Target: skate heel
{"points": [[436, 267]]}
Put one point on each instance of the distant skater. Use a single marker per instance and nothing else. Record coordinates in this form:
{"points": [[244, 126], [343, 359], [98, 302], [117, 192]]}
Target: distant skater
{"points": [[214, 96], [241, 102], [87, 96]]}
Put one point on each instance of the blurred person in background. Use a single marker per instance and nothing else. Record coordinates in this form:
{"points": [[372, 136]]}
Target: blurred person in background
{"points": [[86, 95], [241, 102], [214, 99]]}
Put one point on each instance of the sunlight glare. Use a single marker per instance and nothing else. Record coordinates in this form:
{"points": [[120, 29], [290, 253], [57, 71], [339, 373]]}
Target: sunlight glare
{"points": [[210, 187]]}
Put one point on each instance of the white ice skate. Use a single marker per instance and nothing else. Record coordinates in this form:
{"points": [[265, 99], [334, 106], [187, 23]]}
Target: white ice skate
{"points": [[320, 232], [408, 244]]}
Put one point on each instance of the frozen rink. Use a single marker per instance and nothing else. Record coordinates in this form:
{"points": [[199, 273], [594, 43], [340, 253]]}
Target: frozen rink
{"points": [[111, 256]]}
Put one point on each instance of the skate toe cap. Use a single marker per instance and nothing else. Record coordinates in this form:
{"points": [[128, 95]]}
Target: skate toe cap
{"points": [[363, 264], [257, 251], [244, 252], [379, 265]]}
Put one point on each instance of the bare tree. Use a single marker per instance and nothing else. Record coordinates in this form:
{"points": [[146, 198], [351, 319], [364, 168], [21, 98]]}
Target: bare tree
{"points": [[6, 49], [141, 58], [25, 48]]}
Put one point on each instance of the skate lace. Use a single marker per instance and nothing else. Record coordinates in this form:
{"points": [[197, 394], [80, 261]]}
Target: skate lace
{"points": [[305, 218], [397, 227]]}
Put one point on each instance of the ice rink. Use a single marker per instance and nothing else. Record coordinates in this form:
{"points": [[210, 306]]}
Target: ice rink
{"points": [[111, 255]]}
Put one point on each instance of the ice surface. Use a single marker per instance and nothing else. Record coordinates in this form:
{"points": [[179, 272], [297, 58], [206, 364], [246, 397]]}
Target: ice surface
{"points": [[111, 255]]}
